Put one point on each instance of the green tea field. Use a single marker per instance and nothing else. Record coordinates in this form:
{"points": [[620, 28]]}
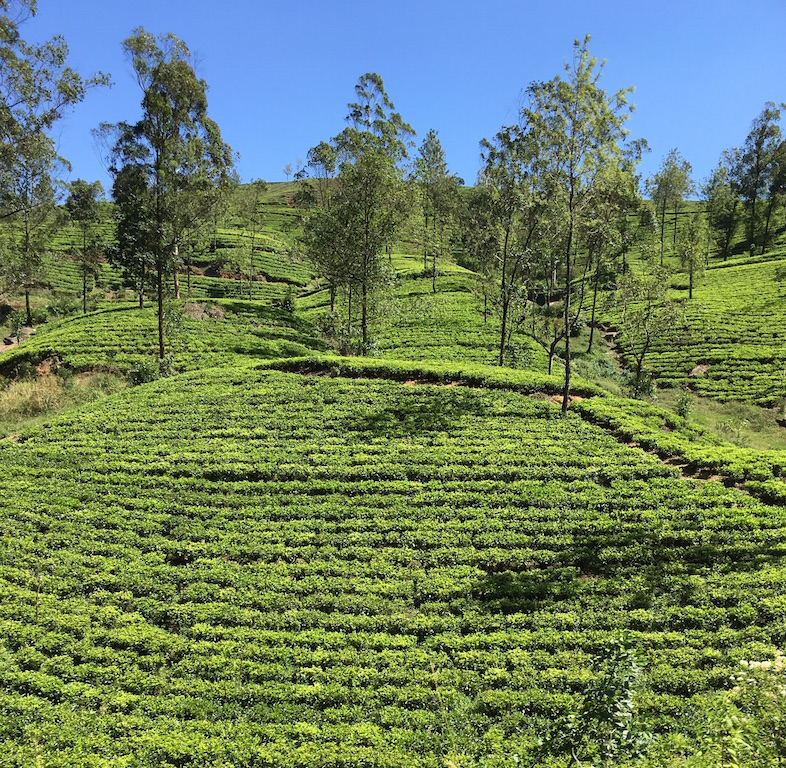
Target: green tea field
{"points": [[299, 570]]}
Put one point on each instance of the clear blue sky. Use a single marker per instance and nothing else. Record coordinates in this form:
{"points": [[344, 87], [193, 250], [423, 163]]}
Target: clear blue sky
{"points": [[281, 73]]}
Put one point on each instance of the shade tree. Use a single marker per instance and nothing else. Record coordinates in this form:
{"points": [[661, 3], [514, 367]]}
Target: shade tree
{"points": [[668, 189], [83, 208], [171, 166], [37, 89], [347, 237]]}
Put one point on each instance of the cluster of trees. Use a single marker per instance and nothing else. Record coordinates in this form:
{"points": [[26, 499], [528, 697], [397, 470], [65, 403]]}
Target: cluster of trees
{"points": [[553, 197], [169, 168], [359, 195], [748, 187], [37, 88]]}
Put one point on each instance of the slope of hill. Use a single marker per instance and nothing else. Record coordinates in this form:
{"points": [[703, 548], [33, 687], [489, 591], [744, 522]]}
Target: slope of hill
{"points": [[246, 567], [284, 557]]}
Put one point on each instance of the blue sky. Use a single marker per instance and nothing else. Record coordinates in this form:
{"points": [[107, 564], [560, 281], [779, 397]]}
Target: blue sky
{"points": [[281, 73]]}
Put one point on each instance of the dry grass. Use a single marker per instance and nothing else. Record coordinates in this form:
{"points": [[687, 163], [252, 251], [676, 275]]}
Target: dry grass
{"points": [[23, 403]]}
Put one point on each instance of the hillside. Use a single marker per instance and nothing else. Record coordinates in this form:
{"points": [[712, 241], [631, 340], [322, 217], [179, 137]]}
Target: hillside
{"points": [[252, 567], [281, 556]]}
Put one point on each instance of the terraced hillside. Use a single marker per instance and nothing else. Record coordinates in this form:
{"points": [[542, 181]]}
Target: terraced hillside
{"points": [[208, 334], [732, 342], [248, 567]]}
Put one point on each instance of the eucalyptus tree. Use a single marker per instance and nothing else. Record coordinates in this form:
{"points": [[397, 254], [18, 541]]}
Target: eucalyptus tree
{"points": [[668, 189], [83, 209], [577, 132], [37, 88], [347, 238], [755, 164], [516, 212], [722, 202], [439, 198], [171, 166]]}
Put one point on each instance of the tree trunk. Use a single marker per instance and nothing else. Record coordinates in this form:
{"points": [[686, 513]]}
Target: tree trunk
{"points": [[253, 243], [434, 257], [364, 316], [566, 389], [160, 292], [662, 230], [690, 281], [770, 206], [29, 320], [188, 274], [594, 301], [504, 297], [425, 244], [84, 271]]}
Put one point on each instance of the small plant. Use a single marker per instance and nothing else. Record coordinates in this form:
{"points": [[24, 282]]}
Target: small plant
{"points": [[17, 322], [734, 429], [288, 302], [642, 386], [685, 403], [143, 372]]}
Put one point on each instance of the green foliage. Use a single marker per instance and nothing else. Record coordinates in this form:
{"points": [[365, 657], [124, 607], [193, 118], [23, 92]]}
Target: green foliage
{"points": [[607, 726]]}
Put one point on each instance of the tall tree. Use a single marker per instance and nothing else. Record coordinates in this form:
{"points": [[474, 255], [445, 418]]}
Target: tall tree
{"points": [[646, 313], [668, 189], [604, 231], [37, 88], [29, 187], [251, 211], [170, 166], [516, 214], [438, 193], [755, 165], [368, 199], [721, 194], [578, 131], [82, 207]]}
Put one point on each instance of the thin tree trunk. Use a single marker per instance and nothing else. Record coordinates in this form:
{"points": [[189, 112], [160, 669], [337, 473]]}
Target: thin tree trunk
{"points": [[28, 310], [425, 243], [160, 292], [566, 390], [84, 272], [253, 242], [364, 316], [188, 274], [594, 301], [175, 254], [504, 297]]}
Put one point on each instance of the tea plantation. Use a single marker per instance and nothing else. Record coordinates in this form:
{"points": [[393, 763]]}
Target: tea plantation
{"points": [[252, 567], [278, 556]]}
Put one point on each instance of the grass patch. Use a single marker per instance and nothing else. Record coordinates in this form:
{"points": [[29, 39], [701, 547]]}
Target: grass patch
{"points": [[25, 403]]}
